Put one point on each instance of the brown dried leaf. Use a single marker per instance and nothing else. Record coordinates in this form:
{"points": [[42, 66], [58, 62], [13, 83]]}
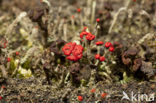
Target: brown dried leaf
{"points": [[137, 64], [131, 52], [126, 61], [117, 45], [129, 55], [55, 46]]}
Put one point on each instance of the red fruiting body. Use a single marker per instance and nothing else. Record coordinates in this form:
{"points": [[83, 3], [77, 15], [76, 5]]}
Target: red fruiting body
{"points": [[17, 53], [3, 42], [4, 45], [98, 20], [92, 90], [99, 43], [1, 98], [67, 49], [134, 0], [85, 28], [3, 86], [77, 52], [73, 51], [79, 10], [97, 56], [90, 37], [82, 34], [73, 16], [80, 98], [72, 58], [102, 58], [8, 59], [111, 49], [103, 95], [108, 44]]}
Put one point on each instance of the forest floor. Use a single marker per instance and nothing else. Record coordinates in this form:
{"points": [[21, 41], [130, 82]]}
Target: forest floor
{"points": [[40, 73]]}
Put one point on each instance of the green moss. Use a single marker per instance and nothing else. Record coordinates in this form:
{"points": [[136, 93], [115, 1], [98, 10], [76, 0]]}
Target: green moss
{"points": [[26, 64], [12, 65], [84, 82], [58, 61]]}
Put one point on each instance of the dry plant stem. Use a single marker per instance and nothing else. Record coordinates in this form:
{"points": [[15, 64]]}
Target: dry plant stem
{"points": [[98, 49], [115, 18], [4, 72], [143, 12], [104, 52], [47, 2], [92, 78], [14, 72], [97, 30], [85, 14], [57, 68], [97, 62], [117, 14], [1, 90], [55, 26], [88, 9], [89, 3], [106, 75], [93, 12], [130, 14], [66, 78], [86, 45], [11, 27], [65, 32], [73, 24], [147, 36], [30, 52], [81, 20], [60, 27], [66, 93], [62, 79], [8, 65]]}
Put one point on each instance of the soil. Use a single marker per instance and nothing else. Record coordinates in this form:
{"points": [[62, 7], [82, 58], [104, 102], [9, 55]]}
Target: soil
{"points": [[37, 91]]}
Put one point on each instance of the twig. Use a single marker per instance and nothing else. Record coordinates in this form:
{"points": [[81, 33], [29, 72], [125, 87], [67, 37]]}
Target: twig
{"points": [[93, 11], [18, 19], [65, 31], [117, 14], [147, 36], [115, 18], [4, 72]]}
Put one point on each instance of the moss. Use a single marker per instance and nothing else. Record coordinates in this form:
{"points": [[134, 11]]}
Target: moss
{"points": [[26, 64], [13, 65]]}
